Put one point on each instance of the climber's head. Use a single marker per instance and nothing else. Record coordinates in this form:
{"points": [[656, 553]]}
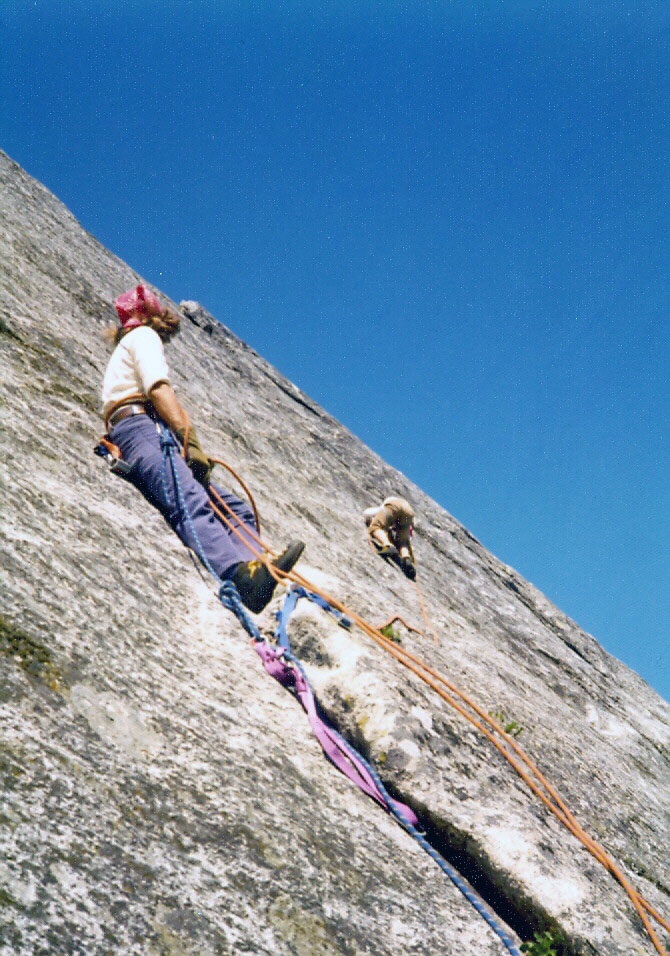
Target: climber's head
{"points": [[135, 305], [139, 306]]}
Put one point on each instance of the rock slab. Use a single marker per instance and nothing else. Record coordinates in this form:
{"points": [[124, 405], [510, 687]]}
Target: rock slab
{"points": [[160, 795]]}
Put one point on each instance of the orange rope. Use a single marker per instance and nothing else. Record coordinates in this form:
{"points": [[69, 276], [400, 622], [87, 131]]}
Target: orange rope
{"points": [[557, 807], [219, 461], [424, 614], [524, 766]]}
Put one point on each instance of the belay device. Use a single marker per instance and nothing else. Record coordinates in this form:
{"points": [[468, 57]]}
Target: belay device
{"points": [[112, 455]]}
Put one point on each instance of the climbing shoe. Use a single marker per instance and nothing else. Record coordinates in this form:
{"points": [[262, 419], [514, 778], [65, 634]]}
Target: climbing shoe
{"points": [[254, 581], [408, 569]]}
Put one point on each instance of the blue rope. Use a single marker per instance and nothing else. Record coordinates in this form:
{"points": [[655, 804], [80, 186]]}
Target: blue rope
{"points": [[228, 593], [322, 603], [283, 615], [451, 872], [230, 599], [168, 447], [471, 896]]}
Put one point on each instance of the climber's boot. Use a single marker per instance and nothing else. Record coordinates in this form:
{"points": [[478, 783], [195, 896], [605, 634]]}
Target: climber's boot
{"points": [[408, 569], [254, 581], [389, 552]]}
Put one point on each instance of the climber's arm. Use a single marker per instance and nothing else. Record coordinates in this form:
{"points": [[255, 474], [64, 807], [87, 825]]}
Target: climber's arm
{"points": [[166, 403]]}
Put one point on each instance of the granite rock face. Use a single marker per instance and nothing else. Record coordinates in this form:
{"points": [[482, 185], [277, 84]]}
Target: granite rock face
{"points": [[161, 796]]}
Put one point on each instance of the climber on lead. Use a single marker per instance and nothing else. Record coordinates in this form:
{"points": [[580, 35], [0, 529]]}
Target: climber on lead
{"points": [[390, 527], [137, 399]]}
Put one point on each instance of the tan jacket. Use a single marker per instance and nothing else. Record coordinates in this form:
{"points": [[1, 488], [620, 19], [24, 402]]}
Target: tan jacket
{"points": [[395, 516]]}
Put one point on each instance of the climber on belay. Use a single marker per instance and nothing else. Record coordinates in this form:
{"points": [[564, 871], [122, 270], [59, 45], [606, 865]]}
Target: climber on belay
{"points": [[144, 419], [390, 527]]}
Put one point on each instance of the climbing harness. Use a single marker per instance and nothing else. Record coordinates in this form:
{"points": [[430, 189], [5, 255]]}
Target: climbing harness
{"points": [[112, 453], [463, 704], [107, 449]]}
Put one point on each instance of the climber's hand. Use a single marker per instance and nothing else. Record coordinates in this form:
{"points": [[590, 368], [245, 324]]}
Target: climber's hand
{"points": [[200, 465]]}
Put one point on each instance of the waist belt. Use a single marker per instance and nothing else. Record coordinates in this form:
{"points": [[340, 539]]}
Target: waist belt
{"points": [[125, 412]]}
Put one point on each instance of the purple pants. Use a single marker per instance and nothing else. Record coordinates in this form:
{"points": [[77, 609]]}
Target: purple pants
{"points": [[139, 440]]}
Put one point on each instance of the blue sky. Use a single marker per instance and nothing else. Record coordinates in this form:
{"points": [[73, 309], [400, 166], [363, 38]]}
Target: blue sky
{"points": [[445, 221]]}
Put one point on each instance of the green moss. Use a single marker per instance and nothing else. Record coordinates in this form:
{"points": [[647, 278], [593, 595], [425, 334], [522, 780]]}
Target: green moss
{"points": [[304, 933], [544, 944], [170, 943], [46, 366], [6, 899], [391, 634], [509, 726], [8, 769], [5, 330], [35, 659]]}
